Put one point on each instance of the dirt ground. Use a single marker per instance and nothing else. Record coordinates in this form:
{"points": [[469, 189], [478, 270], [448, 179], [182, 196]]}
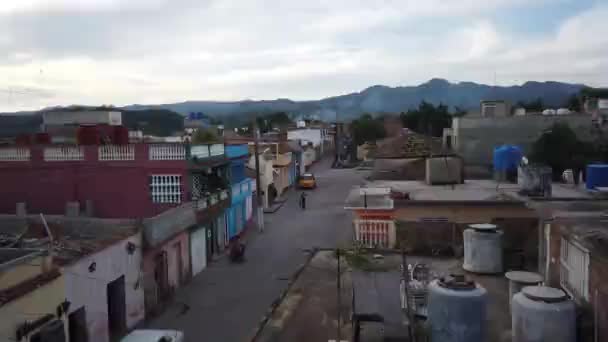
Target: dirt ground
{"points": [[308, 311]]}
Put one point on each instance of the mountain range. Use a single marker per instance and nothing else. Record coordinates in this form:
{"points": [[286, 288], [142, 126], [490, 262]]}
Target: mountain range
{"points": [[376, 99], [383, 99]]}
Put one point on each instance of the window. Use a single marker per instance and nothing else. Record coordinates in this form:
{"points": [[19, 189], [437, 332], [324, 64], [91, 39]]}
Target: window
{"points": [[166, 188], [574, 270]]}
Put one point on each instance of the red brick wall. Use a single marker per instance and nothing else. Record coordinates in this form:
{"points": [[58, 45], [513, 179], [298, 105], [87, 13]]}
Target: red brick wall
{"points": [[118, 189]]}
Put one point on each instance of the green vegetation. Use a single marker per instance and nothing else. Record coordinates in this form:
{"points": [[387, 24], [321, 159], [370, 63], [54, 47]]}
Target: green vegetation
{"points": [[367, 128], [560, 148], [429, 119], [532, 106], [204, 136], [161, 122]]}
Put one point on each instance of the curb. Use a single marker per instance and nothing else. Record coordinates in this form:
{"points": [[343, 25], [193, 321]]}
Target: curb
{"points": [[275, 303]]}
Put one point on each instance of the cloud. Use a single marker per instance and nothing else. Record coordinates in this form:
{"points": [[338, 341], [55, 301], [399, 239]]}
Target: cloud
{"points": [[141, 51]]}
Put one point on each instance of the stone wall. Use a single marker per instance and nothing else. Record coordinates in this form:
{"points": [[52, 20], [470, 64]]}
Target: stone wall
{"points": [[476, 137]]}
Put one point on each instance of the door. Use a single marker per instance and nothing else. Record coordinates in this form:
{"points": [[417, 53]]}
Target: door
{"points": [[161, 275], [179, 266], [77, 326], [117, 307], [209, 241], [198, 250]]}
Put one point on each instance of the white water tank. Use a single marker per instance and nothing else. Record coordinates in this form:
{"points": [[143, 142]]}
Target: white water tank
{"points": [[540, 313], [457, 310], [483, 248], [563, 111]]}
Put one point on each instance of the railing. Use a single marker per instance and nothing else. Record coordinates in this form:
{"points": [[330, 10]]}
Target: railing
{"points": [[167, 152], [206, 151], [63, 153], [14, 154], [375, 233], [216, 150], [116, 152]]}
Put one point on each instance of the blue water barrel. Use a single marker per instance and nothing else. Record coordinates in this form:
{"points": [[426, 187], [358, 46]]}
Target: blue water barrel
{"points": [[507, 157], [597, 175]]}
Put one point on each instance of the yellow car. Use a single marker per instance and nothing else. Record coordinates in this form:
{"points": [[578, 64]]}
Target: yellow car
{"points": [[307, 181]]}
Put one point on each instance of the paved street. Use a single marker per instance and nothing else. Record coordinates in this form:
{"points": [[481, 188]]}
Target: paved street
{"points": [[227, 301]]}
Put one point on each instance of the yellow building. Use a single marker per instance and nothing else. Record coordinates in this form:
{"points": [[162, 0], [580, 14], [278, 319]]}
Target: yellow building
{"points": [[32, 295]]}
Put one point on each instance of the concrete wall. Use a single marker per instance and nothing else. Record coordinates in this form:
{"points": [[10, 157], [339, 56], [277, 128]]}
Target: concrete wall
{"points": [[89, 289], [31, 306], [266, 175], [476, 137], [520, 239]]}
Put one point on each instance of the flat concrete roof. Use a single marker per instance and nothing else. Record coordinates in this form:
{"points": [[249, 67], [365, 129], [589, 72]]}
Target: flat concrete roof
{"points": [[475, 190]]}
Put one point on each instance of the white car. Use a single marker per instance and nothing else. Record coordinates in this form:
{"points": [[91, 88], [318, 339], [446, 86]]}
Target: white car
{"points": [[145, 335]]}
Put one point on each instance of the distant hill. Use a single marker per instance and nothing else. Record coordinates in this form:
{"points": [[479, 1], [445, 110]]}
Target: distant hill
{"points": [[383, 99], [377, 99]]}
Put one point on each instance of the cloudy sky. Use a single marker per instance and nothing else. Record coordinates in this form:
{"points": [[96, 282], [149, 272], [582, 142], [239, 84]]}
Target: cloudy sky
{"points": [[61, 52]]}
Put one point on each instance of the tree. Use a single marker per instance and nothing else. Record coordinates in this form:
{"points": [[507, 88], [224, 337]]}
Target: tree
{"points": [[573, 103], [427, 119], [532, 106], [204, 136], [366, 128], [560, 148]]}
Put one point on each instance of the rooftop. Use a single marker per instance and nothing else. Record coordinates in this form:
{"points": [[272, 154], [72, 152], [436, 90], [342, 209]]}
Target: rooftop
{"points": [[474, 190], [73, 238]]}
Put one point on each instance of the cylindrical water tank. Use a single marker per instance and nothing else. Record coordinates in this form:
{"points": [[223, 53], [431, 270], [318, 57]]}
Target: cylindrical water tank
{"points": [[520, 279], [482, 248], [456, 310], [540, 313]]}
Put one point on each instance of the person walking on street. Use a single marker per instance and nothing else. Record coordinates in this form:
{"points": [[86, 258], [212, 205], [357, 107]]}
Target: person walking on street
{"points": [[303, 201]]}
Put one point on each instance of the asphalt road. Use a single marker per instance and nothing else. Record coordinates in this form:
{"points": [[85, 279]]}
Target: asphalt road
{"points": [[226, 302]]}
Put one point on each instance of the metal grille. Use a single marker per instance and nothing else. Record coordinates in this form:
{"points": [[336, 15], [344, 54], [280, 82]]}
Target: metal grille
{"points": [[166, 188], [574, 271]]}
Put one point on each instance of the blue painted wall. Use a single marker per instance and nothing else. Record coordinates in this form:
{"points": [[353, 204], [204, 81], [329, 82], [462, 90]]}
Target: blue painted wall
{"points": [[238, 208]]}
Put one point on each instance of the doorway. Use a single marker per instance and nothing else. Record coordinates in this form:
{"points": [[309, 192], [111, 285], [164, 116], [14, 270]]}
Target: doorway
{"points": [[161, 276], [117, 307], [77, 326]]}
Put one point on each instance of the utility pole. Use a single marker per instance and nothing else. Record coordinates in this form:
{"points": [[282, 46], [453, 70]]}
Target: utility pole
{"points": [[339, 288], [258, 186]]}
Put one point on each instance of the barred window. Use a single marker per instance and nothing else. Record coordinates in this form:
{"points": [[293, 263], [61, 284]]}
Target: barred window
{"points": [[166, 188]]}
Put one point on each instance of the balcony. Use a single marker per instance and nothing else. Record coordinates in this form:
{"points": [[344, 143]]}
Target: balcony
{"points": [[134, 153], [210, 205]]}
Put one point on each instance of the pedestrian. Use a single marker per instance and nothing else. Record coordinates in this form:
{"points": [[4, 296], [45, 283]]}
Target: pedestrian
{"points": [[303, 201]]}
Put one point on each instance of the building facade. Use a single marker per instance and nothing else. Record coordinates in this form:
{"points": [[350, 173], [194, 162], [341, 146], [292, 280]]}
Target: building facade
{"points": [[237, 215]]}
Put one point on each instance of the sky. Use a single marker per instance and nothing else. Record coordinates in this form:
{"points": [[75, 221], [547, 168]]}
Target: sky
{"points": [[94, 52]]}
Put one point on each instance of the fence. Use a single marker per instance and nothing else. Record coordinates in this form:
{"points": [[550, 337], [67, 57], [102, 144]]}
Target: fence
{"points": [[15, 154], [167, 152], [375, 233], [116, 152], [63, 153]]}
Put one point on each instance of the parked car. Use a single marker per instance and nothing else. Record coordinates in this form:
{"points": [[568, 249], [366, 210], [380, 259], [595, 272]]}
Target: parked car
{"points": [[145, 335], [307, 181]]}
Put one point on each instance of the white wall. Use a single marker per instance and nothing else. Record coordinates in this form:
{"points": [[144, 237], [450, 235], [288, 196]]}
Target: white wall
{"points": [[89, 289], [82, 117], [306, 135]]}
